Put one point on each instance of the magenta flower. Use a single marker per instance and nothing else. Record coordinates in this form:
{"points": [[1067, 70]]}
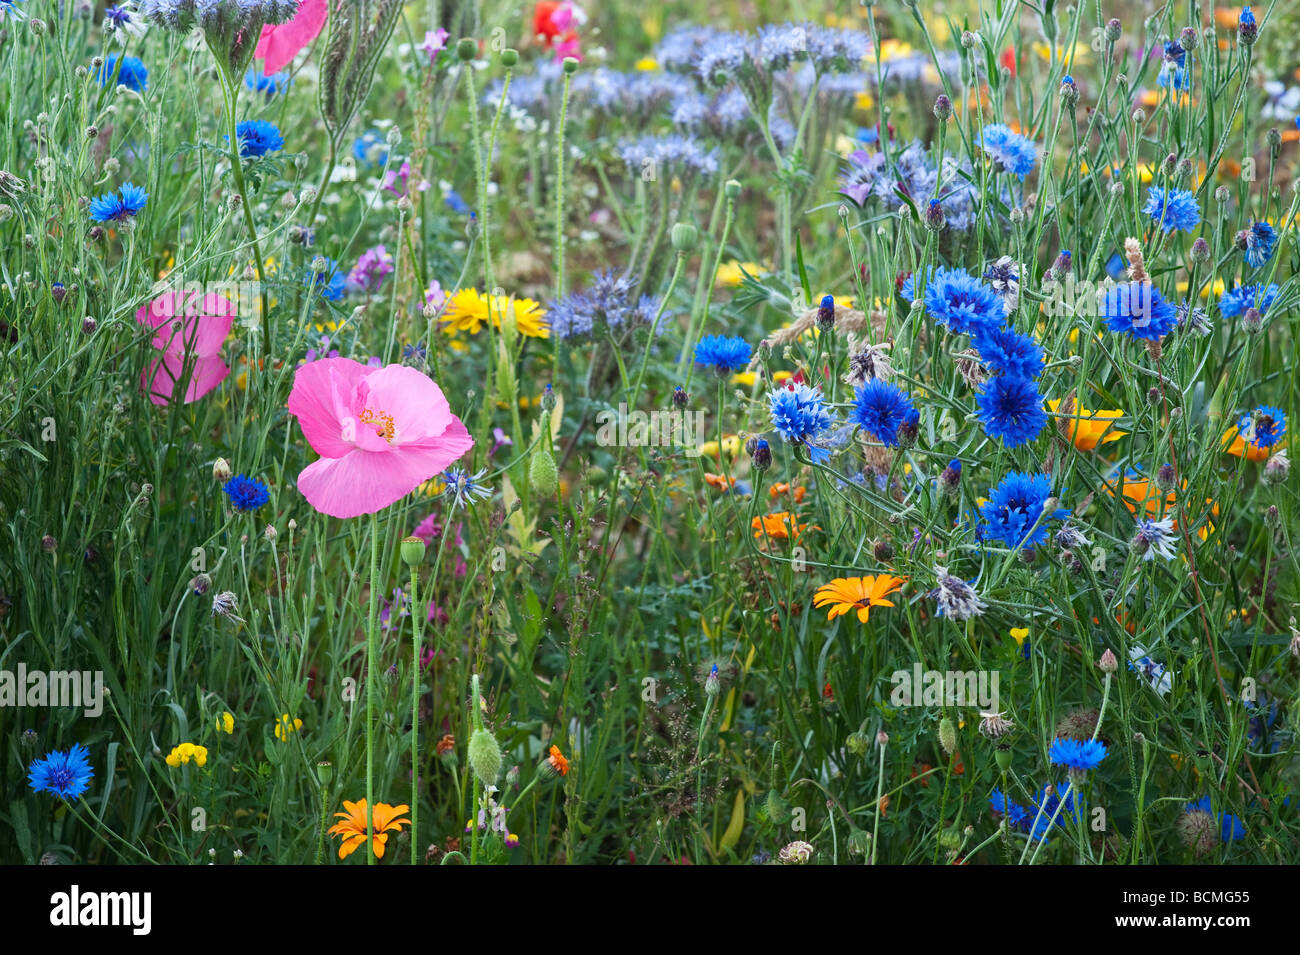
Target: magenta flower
{"points": [[380, 432], [435, 41], [372, 268], [278, 45], [188, 334]]}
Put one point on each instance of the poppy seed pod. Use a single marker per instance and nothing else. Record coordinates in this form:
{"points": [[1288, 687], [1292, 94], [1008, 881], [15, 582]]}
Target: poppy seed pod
{"points": [[413, 549], [485, 756], [542, 475]]}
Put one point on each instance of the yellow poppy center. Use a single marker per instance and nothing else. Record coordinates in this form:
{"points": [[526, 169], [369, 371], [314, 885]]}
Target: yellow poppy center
{"points": [[382, 422]]}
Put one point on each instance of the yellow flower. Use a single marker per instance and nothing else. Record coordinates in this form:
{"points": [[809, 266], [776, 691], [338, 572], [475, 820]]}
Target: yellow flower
{"points": [[729, 273], [432, 487], [647, 64], [861, 593], [285, 726], [1216, 288], [730, 444], [185, 752], [892, 49], [226, 723], [744, 379], [468, 310], [1020, 635], [1087, 428], [862, 100]]}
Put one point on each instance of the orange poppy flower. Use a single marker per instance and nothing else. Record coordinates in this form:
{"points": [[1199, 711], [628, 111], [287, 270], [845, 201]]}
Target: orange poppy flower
{"points": [[1234, 444], [353, 826], [1139, 492], [861, 593], [1087, 429]]}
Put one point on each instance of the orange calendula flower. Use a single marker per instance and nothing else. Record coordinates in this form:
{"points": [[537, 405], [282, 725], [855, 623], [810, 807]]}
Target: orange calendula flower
{"points": [[556, 761], [1087, 429], [861, 593], [719, 481], [781, 487], [353, 826], [781, 525]]}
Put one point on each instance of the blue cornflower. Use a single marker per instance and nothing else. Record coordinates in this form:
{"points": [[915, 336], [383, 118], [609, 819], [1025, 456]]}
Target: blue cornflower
{"points": [[1263, 427], [882, 409], [123, 23], [1015, 506], [798, 412], [1011, 409], [119, 206], [1257, 242], [1247, 28], [1017, 815], [1174, 53], [371, 148], [134, 76], [1064, 810], [1137, 309], [7, 6], [269, 85], [1009, 150], [1231, 828], [1172, 209], [67, 775], [1077, 754], [725, 355], [1173, 75], [257, 137], [455, 203], [1235, 301], [462, 488], [956, 299], [1007, 352], [246, 494], [329, 282]]}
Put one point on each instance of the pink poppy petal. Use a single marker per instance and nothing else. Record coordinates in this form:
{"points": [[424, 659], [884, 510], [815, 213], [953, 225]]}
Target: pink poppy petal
{"points": [[278, 45], [322, 399], [164, 373], [363, 482]]}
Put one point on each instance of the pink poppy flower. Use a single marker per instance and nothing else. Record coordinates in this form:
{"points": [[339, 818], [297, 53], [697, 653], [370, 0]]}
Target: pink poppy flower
{"points": [[188, 334], [380, 432], [278, 45]]}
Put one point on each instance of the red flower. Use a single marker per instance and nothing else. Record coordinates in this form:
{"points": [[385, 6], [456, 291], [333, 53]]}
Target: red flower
{"points": [[1008, 59]]}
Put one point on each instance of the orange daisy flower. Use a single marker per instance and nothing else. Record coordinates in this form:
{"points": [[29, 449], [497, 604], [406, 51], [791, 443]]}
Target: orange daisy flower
{"points": [[353, 826], [861, 593]]}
